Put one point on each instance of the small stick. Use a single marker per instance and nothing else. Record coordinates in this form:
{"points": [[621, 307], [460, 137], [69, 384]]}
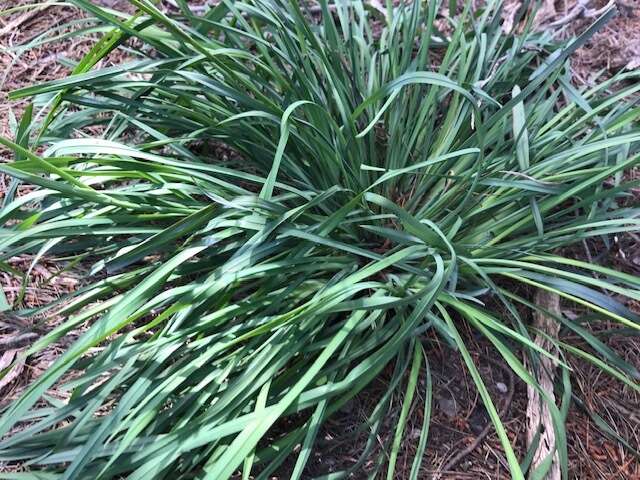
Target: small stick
{"points": [[538, 413]]}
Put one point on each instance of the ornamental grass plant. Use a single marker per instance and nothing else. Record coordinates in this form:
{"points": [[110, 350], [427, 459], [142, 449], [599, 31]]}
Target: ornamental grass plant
{"points": [[385, 178]]}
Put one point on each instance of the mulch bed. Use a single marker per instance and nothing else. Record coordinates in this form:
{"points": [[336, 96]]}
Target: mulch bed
{"points": [[458, 416]]}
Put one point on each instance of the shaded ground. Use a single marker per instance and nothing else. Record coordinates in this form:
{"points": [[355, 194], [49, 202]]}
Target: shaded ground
{"points": [[458, 417]]}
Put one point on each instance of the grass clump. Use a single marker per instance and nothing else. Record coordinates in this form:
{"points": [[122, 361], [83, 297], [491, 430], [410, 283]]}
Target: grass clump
{"points": [[378, 186]]}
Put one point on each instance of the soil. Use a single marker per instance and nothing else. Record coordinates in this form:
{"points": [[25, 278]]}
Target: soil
{"points": [[457, 413]]}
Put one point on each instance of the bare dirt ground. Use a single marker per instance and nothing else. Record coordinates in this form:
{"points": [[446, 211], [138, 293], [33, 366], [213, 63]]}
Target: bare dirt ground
{"points": [[458, 419]]}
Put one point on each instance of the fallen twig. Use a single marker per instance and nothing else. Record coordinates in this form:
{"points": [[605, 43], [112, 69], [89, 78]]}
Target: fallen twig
{"points": [[580, 10], [539, 420]]}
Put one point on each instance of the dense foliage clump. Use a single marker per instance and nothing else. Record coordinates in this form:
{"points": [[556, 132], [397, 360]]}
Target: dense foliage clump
{"points": [[374, 187]]}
